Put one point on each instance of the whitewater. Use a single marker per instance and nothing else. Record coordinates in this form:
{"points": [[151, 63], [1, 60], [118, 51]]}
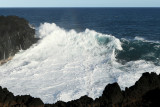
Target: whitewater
{"points": [[65, 65]]}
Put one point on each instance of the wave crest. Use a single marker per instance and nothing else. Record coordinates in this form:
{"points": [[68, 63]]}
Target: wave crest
{"points": [[65, 65]]}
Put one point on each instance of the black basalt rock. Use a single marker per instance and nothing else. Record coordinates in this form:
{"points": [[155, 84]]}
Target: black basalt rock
{"points": [[151, 98], [146, 83], [145, 93], [15, 34], [113, 93], [84, 101], [7, 99]]}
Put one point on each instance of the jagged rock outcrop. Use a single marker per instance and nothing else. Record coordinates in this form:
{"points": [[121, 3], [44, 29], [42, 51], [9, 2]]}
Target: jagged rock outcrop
{"points": [[145, 93], [15, 34], [7, 99], [133, 96]]}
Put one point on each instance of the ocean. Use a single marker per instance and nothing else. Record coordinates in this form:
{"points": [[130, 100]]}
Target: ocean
{"points": [[81, 50]]}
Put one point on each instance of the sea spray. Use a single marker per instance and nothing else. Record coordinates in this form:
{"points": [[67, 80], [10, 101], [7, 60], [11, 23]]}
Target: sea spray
{"points": [[65, 65]]}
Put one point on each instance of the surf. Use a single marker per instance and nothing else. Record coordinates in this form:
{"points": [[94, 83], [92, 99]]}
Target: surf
{"points": [[65, 65]]}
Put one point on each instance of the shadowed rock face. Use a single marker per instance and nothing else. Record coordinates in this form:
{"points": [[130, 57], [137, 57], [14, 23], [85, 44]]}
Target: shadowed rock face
{"points": [[7, 99], [15, 34], [151, 98], [133, 96], [145, 93]]}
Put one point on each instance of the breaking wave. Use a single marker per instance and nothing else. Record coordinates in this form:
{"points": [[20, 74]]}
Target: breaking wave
{"points": [[139, 49], [65, 65]]}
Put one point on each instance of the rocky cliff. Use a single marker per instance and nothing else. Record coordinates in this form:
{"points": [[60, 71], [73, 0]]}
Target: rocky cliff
{"points": [[15, 34], [145, 93]]}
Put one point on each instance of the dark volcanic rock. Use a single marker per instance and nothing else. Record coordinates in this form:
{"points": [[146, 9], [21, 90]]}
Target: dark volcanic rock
{"points": [[7, 99], [151, 98], [112, 95], [84, 101], [145, 93], [15, 34], [146, 83]]}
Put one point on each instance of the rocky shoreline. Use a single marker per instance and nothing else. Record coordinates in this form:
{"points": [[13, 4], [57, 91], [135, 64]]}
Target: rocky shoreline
{"points": [[145, 93], [15, 34]]}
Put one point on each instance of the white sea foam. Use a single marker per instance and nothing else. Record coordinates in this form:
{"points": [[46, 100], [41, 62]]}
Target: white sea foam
{"points": [[145, 40], [65, 65], [139, 38]]}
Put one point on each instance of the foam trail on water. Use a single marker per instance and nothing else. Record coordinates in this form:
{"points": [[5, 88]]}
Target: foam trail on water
{"points": [[145, 40], [65, 65], [139, 38]]}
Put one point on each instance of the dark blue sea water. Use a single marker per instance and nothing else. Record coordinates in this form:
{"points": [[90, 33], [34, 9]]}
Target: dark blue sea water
{"points": [[137, 28]]}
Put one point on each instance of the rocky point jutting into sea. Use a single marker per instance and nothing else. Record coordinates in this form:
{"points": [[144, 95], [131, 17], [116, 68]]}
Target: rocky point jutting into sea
{"points": [[16, 34]]}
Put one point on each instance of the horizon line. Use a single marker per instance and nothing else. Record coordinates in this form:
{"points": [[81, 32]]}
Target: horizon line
{"points": [[81, 7]]}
